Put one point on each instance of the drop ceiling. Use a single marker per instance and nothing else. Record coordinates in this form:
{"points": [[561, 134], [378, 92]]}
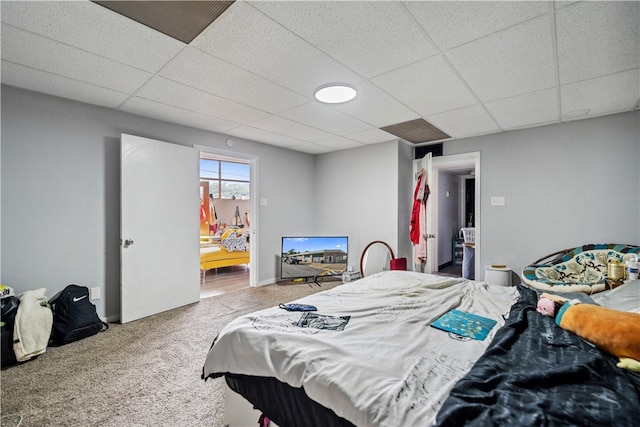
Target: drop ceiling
{"points": [[464, 68]]}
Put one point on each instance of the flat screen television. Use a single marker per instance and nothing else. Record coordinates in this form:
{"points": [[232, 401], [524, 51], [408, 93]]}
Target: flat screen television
{"points": [[313, 257]]}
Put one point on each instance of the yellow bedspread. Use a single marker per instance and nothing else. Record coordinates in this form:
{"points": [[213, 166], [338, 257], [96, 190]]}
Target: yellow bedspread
{"points": [[216, 257]]}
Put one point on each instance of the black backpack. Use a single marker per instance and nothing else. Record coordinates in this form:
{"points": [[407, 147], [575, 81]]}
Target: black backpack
{"points": [[74, 316], [8, 310]]}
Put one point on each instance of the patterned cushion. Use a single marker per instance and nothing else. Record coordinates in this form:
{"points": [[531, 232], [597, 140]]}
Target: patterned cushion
{"points": [[235, 244], [583, 269]]}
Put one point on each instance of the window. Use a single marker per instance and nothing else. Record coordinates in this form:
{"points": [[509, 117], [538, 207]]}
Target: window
{"points": [[227, 180]]}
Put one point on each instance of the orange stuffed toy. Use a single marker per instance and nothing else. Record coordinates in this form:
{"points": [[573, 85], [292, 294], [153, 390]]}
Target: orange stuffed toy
{"points": [[613, 331]]}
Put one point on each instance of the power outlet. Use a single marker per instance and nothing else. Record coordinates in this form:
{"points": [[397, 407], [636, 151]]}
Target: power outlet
{"points": [[497, 201], [94, 294]]}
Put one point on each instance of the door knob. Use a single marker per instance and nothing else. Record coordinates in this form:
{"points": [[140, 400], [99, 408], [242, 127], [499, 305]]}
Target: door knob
{"points": [[128, 243]]}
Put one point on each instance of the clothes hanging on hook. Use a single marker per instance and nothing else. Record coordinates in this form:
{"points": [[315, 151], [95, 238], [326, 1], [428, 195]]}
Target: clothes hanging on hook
{"points": [[418, 196], [418, 218]]}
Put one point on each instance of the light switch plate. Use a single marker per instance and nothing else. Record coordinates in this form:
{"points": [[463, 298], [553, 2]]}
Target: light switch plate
{"points": [[497, 201], [94, 294]]}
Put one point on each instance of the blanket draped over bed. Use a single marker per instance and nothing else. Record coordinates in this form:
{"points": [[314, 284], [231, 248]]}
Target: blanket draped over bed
{"points": [[387, 367], [535, 373]]}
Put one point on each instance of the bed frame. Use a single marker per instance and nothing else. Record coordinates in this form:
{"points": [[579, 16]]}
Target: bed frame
{"points": [[216, 257]]}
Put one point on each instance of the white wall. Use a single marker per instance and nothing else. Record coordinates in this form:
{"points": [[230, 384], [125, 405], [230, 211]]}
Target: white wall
{"points": [[448, 212], [226, 210], [405, 201], [61, 200], [565, 185], [357, 195]]}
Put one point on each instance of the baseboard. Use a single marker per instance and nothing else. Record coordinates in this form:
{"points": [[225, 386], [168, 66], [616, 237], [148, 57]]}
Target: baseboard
{"points": [[445, 265]]}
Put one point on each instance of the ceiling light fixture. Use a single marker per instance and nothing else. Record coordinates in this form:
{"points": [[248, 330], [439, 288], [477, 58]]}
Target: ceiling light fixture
{"points": [[335, 93]]}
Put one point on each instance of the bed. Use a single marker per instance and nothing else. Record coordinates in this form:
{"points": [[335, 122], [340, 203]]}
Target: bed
{"points": [[375, 360], [233, 249]]}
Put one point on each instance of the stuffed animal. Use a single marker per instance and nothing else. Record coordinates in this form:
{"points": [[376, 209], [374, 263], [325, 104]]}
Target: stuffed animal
{"points": [[615, 332], [546, 307]]}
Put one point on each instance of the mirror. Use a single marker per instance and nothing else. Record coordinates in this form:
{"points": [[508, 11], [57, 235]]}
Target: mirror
{"points": [[375, 258]]}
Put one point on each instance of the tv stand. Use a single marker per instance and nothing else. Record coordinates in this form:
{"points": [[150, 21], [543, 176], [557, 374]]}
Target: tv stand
{"points": [[311, 280]]}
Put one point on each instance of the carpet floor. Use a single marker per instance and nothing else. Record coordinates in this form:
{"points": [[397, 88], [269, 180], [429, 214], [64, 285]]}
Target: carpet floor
{"points": [[142, 373]]}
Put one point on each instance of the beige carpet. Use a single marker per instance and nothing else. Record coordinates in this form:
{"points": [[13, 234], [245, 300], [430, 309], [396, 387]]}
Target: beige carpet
{"points": [[144, 373]]}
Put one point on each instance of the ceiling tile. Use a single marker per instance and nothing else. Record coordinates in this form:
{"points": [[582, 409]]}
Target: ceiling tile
{"points": [[40, 81], [452, 23], [95, 29], [508, 63], [464, 122], [182, 20], [37, 52], [200, 70], [168, 113], [171, 93], [373, 136], [339, 143], [344, 30], [255, 134], [428, 87], [375, 107], [597, 38], [526, 110], [312, 148], [617, 92], [319, 116], [290, 128], [270, 51]]}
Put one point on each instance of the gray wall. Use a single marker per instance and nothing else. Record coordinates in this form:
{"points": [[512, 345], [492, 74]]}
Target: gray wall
{"points": [[357, 193], [448, 213], [61, 192], [565, 185]]}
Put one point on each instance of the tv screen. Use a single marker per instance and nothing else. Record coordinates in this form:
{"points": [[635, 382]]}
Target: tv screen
{"points": [[313, 256]]}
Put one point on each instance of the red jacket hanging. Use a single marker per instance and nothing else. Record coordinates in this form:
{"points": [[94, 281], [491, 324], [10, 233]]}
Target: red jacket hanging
{"points": [[418, 199]]}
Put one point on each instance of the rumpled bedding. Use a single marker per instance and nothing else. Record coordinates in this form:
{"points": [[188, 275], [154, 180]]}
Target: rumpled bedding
{"points": [[387, 367], [535, 373]]}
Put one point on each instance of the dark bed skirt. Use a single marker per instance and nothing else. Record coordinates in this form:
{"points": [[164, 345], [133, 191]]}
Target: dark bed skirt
{"points": [[285, 405]]}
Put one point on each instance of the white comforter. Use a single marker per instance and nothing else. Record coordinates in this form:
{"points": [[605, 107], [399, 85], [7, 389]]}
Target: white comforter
{"points": [[388, 367]]}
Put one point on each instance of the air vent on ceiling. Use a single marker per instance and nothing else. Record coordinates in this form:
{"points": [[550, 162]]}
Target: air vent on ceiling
{"points": [[182, 20], [416, 131]]}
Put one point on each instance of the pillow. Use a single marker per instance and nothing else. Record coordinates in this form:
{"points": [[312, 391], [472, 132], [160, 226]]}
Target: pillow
{"points": [[235, 244], [623, 298], [228, 232]]}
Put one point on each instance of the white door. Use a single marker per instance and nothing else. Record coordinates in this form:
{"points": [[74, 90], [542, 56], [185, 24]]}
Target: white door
{"points": [[160, 204], [428, 228]]}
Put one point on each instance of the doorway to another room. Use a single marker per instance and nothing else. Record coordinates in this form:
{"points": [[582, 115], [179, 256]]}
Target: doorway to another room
{"points": [[456, 200], [225, 224]]}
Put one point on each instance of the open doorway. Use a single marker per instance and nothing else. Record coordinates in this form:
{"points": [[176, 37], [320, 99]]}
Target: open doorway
{"points": [[225, 223], [455, 187]]}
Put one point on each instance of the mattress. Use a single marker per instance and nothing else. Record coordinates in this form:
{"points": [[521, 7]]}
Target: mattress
{"points": [[373, 359]]}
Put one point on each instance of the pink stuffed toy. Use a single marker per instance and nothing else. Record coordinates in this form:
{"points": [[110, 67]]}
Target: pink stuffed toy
{"points": [[546, 306]]}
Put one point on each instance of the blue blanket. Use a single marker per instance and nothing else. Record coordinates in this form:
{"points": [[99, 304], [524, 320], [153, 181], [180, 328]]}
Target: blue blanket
{"points": [[535, 373]]}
